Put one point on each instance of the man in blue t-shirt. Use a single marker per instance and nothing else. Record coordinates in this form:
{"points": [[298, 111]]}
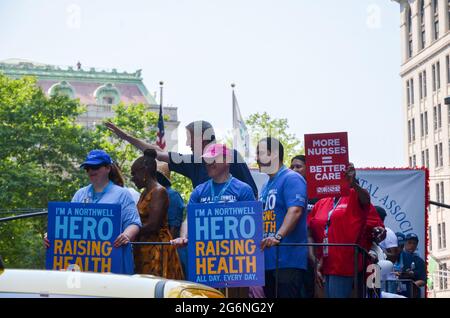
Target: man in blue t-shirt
{"points": [[200, 134], [223, 187], [284, 218]]}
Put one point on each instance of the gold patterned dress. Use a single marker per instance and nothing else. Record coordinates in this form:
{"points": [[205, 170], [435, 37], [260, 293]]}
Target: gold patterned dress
{"points": [[153, 259]]}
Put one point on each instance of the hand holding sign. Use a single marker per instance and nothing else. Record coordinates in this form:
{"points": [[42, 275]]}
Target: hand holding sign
{"points": [[179, 242], [269, 242], [350, 174]]}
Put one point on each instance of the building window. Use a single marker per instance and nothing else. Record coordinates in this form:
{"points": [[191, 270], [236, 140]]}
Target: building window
{"points": [[438, 192], [443, 277], [436, 19], [420, 86], [448, 13], [438, 75], [436, 156], [424, 83], [423, 158], [409, 28], [430, 238], [422, 127], [437, 122], [108, 100], [439, 116], [427, 158], [442, 192], [410, 92], [413, 129], [444, 236], [447, 62], [62, 89], [425, 118], [107, 94], [433, 72], [409, 131], [422, 24]]}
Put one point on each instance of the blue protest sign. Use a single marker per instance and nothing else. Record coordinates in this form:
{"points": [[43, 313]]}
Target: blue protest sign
{"points": [[224, 244], [82, 235]]}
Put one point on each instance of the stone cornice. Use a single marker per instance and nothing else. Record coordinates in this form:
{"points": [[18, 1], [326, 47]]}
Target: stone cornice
{"points": [[54, 72]]}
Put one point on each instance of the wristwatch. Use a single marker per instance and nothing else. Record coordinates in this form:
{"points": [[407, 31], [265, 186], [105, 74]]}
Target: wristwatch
{"points": [[278, 237]]}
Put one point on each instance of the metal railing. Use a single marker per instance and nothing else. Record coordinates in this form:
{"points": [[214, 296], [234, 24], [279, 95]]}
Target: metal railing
{"points": [[358, 251]]}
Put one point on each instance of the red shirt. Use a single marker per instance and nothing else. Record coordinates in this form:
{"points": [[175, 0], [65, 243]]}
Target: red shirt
{"points": [[346, 226]]}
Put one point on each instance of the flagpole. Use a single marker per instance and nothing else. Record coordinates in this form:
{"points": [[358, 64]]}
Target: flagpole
{"points": [[161, 83], [233, 114]]}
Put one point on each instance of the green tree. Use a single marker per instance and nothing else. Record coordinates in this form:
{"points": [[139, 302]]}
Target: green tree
{"points": [[262, 125], [41, 147]]}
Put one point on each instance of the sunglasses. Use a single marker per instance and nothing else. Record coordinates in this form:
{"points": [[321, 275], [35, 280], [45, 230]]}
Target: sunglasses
{"points": [[95, 168]]}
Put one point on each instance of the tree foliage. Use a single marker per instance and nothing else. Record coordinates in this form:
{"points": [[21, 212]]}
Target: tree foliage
{"points": [[262, 125], [41, 147]]}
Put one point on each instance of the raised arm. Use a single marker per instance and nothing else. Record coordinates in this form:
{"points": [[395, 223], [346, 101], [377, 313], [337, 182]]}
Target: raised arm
{"points": [[363, 195], [138, 143]]}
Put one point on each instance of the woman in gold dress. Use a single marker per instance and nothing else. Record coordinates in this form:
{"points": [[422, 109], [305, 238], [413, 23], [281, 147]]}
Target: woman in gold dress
{"points": [[153, 209]]}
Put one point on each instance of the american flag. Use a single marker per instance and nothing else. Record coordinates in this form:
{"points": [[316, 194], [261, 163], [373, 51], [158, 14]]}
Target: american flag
{"points": [[160, 140]]}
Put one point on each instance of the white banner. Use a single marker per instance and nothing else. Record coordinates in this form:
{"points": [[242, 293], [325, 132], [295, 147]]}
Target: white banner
{"points": [[401, 192]]}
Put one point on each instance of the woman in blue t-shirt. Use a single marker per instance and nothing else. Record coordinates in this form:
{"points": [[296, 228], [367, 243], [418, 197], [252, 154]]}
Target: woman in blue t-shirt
{"points": [[107, 187]]}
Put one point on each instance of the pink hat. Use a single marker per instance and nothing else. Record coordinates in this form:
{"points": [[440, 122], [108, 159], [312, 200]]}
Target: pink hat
{"points": [[216, 150]]}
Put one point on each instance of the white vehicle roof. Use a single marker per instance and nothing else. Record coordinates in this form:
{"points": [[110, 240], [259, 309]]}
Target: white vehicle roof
{"points": [[42, 283]]}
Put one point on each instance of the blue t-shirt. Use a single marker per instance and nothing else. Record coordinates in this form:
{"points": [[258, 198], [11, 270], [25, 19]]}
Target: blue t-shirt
{"points": [[235, 191], [116, 195], [283, 191], [194, 169], [176, 207]]}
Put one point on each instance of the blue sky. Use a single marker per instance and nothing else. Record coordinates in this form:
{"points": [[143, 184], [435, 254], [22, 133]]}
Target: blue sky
{"points": [[326, 65]]}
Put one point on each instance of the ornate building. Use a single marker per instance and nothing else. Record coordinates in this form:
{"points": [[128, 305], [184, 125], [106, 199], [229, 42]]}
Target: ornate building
{"points": [[425, 72], [98, 89]]}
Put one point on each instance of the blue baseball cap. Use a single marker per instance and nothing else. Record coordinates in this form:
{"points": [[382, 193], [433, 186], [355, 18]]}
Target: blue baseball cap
{"points": [[97, 157], [401, 238], [412, 236]]}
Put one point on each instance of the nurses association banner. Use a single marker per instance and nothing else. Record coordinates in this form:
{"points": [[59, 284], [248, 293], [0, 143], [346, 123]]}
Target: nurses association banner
{"points": [[81, 236], [224, 244], [402, 193]]}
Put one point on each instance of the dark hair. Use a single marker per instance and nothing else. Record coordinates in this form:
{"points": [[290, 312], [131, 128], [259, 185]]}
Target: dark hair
{"points": [[299, 157], [115, 175], [150, 161], [205, 126], [381, 212], [274, 142]]}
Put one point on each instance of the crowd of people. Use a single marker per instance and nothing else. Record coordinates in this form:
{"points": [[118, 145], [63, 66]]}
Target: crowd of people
{"points": [[220, 175]]}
